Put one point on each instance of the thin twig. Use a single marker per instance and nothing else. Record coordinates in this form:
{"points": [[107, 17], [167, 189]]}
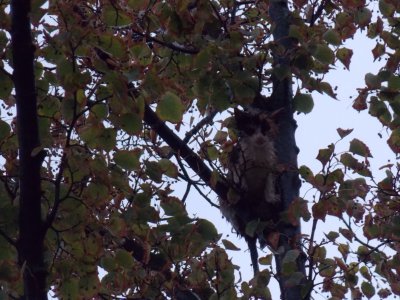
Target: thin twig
{"points": [[171, 46], [8, 239], [318, 13], [190, 181]]}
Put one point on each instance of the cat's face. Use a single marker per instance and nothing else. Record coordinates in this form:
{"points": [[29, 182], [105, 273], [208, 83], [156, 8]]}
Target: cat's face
{"points": [[254, 129]]}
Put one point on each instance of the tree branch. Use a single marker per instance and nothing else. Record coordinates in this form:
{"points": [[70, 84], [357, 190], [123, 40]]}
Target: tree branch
{"points": [[182, 149], [175, 47], [207, 120], [318, 13], [186, 177], [7, 238]]}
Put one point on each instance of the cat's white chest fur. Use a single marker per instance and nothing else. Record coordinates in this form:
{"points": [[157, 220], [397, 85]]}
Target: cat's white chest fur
{"points": [[253, 171]]}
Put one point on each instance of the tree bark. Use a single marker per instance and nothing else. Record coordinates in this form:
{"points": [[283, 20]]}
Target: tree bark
{"points": [[31, 229], [286, 148]]}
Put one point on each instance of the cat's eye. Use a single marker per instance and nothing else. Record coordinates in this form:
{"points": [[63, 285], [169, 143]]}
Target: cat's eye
{"points": [[249, 130]]}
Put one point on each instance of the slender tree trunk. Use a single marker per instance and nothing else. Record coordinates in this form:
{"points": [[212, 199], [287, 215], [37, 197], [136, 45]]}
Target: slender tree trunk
{"points": [[286, 147], [31, 229]]}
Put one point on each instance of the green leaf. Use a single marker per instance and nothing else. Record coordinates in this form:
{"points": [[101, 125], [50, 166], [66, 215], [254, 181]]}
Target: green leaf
{"points": [[344, 249], [96, 193], [358, 147], [348, 160], [319, 253], [153, 170], [387, 9], [212, 152], [295, 32], [379, 109], [394, 141], [303, 103], [363, 16], [4, 130], [108, 263], [100, 111], [172, 206], [392, 40], [291, 256], [368, 289], [306, 173], [3, 40], [394, 83], [365, 273], [68, 109], [90, 133], [170, 108], [244, 94], [325, 87], [202, 59], [251, 227], [106, 139], [384, 75], [142, 53], [324, 54], [113, 16], [327, 268], [128, 159], [49, 107], [372, 81], [220, 137], [324, 155], [131, 123], [332, 235], [332, 36], [335, 176], [229, 245], [375, 28], [266, 260], [344, 55], [138, 5], [168, 168], [124, 259], [69, 288], [220, 94], [6, 86], [207, 230]]}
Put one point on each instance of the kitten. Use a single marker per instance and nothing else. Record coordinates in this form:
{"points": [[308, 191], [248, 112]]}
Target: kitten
{"points": [[252, 175]]}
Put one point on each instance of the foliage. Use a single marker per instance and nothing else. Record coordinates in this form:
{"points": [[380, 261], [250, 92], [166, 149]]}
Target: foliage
{"points": [[108, 178]]}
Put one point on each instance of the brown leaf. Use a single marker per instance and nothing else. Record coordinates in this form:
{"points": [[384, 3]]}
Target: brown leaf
{"points": [[378, 51], [360, 103], [344, 132]]}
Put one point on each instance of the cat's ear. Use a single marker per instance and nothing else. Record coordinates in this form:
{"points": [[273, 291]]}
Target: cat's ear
{"points": [[240, 116]]}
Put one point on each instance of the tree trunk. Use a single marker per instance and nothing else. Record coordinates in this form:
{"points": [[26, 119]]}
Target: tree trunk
{"points": [[31, 229], [286, 148]]}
